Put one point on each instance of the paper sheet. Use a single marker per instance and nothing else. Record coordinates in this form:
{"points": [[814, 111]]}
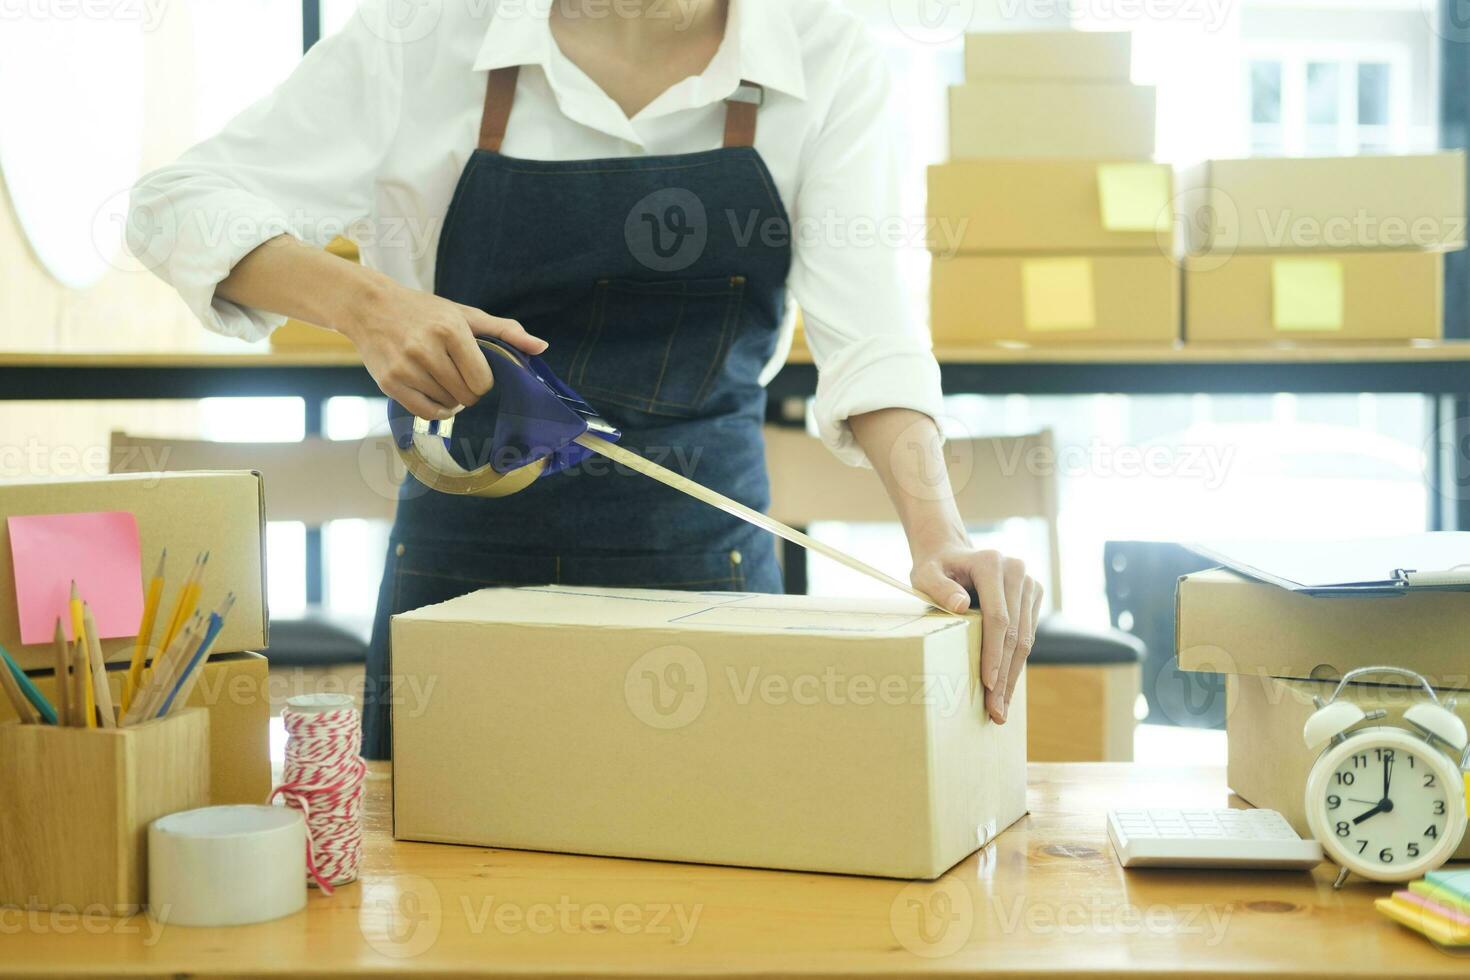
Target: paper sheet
{"points": [[100, 551], [1056, 294], [1134, 196], [1306, 294]]}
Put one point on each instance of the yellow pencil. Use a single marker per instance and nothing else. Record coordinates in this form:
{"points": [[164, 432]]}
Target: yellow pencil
{"points": [[79, 634], [187, 600], [64, 714], [97, 667], [134, 678]]}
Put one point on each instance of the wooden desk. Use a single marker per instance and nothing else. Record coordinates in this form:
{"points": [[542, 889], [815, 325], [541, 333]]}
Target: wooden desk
{"points": [[1047, 899]]}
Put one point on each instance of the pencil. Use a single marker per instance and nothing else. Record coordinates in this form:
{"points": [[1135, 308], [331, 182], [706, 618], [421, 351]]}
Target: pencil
{"points": [[145, 634], [190, 675], [23, 709], [79, 634], [165, 667], [63, 682], [28, 691], [99, 671], [187, 600]]}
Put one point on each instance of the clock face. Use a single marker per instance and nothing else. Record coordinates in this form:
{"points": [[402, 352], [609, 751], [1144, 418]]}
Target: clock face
{"points": [[1386, 805]]}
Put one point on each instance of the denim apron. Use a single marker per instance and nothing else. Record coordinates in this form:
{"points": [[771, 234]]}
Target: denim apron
{"points": [[659, 283]]}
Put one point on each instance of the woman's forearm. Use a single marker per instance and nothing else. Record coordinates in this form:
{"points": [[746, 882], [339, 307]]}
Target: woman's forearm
{"points": [[288, 277], [907, 452]]}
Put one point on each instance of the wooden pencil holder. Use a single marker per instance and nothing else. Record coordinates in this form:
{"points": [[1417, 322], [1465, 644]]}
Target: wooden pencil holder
{"points": [[75, 805]]}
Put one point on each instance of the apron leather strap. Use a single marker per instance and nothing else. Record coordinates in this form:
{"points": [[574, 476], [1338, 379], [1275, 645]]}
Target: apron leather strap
{"points": [[500, 93], [740, 113]]}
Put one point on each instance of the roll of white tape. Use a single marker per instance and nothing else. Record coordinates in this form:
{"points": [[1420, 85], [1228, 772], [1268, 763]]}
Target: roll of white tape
{"points": [[226, 865]]}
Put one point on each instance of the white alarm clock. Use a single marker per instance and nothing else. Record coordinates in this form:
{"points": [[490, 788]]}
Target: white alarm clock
{"points": [[1386, 803]]}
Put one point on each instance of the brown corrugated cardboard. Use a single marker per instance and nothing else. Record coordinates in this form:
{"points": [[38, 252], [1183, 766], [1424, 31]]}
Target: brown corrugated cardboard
{"points": [[1230, 624], [1019, 119], [1072, 55], [1315, 297], [1055, 299], [187, 513], [1362, 202], [766, 731], [1014, 206], [1269, 761], [234, 689]]}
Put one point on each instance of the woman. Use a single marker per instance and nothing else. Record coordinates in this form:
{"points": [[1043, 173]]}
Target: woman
{"points": [[612, 186]]}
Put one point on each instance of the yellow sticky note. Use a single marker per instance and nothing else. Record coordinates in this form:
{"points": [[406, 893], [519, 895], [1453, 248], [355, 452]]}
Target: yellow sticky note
{"points": [[1306, 294], [1056, 294], [1134, 196]]}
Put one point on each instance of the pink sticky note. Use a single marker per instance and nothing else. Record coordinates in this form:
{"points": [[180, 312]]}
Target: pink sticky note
{"points": [[99, 551]]}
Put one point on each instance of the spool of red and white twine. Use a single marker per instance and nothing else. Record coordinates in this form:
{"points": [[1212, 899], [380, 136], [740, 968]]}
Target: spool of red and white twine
{"points": [[323, 778]]}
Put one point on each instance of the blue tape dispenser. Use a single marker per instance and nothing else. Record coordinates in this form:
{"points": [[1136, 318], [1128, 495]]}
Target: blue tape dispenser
{"points": [[526, 428]]}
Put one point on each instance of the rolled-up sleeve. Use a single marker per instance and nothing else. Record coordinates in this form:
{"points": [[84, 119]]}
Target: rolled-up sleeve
{"points": [[301, 161], [846, 273]]}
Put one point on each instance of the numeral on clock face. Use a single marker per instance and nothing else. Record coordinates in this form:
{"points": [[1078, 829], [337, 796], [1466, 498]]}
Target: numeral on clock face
{"points": [[1384, 807]]}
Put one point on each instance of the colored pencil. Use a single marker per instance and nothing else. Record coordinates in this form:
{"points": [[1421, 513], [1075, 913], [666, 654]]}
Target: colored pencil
{"points": [[190, 674], [28, 691], [145, 634], [23, 709], [79, 635], [63, 682], [78, 676], [98, 666], [160, 679], [188, 599]]}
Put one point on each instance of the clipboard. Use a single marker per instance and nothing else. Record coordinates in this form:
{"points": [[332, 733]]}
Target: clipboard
{"points": [[1437, 561]]}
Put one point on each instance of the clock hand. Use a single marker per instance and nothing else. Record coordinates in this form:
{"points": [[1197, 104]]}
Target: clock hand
{"points": [[1387, 775], [1380, 808]]}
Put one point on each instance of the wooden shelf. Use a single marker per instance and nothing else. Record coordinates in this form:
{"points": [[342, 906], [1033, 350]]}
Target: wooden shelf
{"points": [[1447, 350]]}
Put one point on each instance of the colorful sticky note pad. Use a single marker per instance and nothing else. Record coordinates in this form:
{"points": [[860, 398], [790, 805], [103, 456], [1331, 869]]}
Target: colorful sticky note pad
{"points": [[1056, 294], [1134, 196], [1306, 294], [99, 551], [1455, 882]]}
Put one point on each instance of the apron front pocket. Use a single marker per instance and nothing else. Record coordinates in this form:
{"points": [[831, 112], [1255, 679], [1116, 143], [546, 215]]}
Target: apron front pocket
{"points": [[657, 346]]}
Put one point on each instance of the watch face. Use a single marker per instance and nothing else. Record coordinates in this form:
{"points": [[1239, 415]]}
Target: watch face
{"points": [[1386, 805]]}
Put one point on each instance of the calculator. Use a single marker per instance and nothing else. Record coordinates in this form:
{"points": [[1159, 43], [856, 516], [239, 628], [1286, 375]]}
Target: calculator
{"points": [[1241, 839]]}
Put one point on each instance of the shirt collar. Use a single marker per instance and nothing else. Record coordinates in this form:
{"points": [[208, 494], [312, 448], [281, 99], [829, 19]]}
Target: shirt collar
{"points": [[760, 46]]}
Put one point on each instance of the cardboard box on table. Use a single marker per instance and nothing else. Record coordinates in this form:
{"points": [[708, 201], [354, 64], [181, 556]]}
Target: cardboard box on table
{"points": [[1069, 206], [1278, 648], [234, 690], [1102, 56], [766, 731], [1361, 202], [1306, 297], [1031, 118], [1050, 299], [187, 513]]}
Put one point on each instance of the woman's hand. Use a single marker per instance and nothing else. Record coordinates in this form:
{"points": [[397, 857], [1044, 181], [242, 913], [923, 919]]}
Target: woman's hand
{"points": [[421, 350], [1010, 604]]}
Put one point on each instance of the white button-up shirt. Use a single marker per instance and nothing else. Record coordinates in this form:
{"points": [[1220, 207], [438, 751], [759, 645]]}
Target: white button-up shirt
{"points": [[369, 135]]}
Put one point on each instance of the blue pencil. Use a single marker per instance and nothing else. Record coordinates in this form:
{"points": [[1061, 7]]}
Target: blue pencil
{"points": [[185, 681], [34, 696]]}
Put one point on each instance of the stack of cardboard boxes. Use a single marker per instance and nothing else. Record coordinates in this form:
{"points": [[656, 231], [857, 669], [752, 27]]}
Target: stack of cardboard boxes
{"points": [[1278, 649], [1324, 249], [1050, 224]]}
